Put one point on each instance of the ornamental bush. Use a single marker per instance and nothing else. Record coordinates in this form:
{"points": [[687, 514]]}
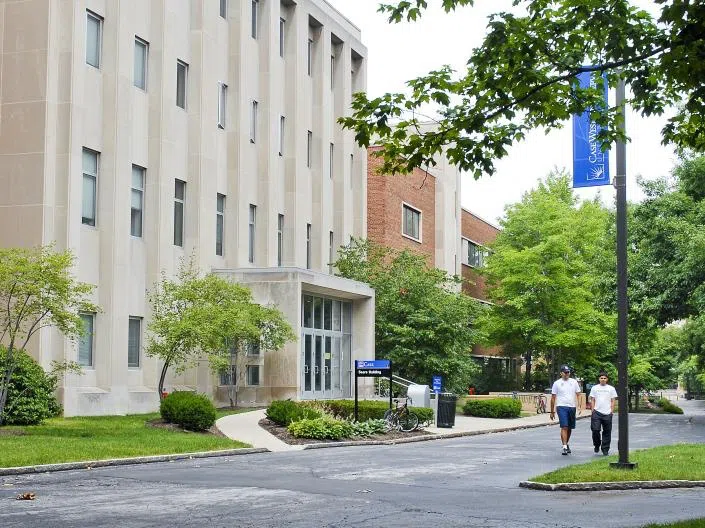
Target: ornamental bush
{"points": [[494, 408], [369, 410], [325, 427], [285, 412], [669, 407], [30, 398], [191, 411]]}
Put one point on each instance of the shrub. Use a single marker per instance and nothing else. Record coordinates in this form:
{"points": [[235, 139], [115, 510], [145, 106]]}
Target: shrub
{"points": [[368, 428], [30, 398], [669, 407], [285, 412], [189, 410], [325, 427], [494, 408], [369, 410]]}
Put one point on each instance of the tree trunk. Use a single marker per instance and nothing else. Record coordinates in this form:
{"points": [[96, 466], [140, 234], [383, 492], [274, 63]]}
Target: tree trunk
{"points": [[162, 377], [5, 383], [527, 374]]}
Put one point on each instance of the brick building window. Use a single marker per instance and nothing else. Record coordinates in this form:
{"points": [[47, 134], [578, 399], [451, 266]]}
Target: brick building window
{"points": [[411, 222], [473, 254]]}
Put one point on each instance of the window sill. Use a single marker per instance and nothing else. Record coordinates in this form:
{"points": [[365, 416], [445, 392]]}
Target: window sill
{"points": [[417, 240]]}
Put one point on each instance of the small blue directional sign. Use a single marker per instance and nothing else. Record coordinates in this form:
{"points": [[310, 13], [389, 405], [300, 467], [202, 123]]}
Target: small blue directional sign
{"points": [[437, 380]]}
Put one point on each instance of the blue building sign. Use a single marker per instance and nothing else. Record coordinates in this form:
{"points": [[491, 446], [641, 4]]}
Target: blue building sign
{"points": [[437, 380], [591, 166], [372, 364]]}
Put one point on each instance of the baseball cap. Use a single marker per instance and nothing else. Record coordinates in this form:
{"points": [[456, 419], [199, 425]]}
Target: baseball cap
{"points": [[565, 368]]}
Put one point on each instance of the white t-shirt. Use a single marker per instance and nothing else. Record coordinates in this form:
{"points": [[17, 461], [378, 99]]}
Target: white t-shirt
{"points": [[603, 395], [565, 391]]}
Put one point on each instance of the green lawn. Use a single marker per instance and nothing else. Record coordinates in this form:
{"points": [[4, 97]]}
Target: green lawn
{"points": [[100, 437], [694, 523], [674, 462]]}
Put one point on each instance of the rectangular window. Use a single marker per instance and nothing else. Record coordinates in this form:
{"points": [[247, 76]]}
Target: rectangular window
{"points": [[411, 222], [308, 246], [282, 123], [332, 72], [282, 26], [90, 187], [352, 165], [252, 349], [140, 66], [181, 80], [255, 8], [219, 223], [331, 252], [222, 101], [252, 226], [179, 200], [309, 148], [94, 38], [280, 239], [331, 155], [474, 254], [228, 376], [253, 122], [309, 56], [134, 339], [85, 344], [137, 201], [253, 374], [224, 8]]}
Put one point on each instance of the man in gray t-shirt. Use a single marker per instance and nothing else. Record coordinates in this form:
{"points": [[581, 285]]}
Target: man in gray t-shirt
{"points": [[602, 399]]}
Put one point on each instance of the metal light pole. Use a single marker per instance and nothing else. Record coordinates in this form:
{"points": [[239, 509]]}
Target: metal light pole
{"points": [[620, 182]]}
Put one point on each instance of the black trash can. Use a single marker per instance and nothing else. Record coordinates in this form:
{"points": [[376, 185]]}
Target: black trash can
{"points": [[445, 417]]}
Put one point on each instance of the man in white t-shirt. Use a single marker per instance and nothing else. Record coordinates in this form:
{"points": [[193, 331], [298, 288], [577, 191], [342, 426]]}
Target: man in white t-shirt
{"points": [[602, 399], [564, 400]]}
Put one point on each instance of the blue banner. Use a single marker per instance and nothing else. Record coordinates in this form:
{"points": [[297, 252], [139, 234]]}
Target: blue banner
{"points": [[591, 166], [372, 364]]}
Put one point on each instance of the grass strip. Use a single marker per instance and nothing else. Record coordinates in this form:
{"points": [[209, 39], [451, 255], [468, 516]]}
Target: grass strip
{"points": [[693, 523], [99, 438], [672, 462]]}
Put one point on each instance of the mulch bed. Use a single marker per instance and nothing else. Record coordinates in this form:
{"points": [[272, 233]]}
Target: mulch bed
{"points": [[282, 434], [161, 424]]}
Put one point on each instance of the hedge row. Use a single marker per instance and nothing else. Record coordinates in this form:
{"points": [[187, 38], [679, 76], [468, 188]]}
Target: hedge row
{"points": [[494, 408], [369, 410], [668, 406]]}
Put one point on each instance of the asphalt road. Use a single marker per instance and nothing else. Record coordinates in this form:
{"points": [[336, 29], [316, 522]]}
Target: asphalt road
{"points": [[468, 481]]}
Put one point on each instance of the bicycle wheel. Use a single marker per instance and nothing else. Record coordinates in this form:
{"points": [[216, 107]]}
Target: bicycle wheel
{"points": [[391, 422], [408, 422]]}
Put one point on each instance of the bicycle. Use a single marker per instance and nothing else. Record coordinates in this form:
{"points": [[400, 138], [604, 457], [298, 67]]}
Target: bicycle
{"points": [[540, 404], [401, 418]]}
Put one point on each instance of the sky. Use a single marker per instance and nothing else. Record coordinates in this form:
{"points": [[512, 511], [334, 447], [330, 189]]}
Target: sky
{"points": [[399, 52]]}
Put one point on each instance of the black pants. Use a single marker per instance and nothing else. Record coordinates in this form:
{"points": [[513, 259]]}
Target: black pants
{"points": [[604, 422]]}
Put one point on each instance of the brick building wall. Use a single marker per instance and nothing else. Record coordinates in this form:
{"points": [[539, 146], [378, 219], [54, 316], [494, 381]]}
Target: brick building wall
{"points": [[480, 232], [386, 195]]}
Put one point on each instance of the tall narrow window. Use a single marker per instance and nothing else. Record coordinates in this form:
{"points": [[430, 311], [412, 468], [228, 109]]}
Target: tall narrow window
{"points": [[309, 148], [94, 38], [308, 246], [331, 254], [352, 165], [134, 339], [253, 122], [181, 80], [282, 27], [282, 123], [331, 155], [140, 66], [309, 56], [90, 187], [280, 239], [137, 201], [252, 228], [411, 222], [219, 223], [332, 71], [255, 8], [222, 101], [224, 8], [253, 374], [85, 343], [179, 199]]}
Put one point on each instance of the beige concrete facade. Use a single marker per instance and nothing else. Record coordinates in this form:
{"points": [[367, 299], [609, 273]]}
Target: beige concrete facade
{"points": [[64, 99]]}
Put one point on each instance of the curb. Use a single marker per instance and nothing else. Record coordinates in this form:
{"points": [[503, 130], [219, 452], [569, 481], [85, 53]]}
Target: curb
{"points": [[429, 437], [91, 464], [608, 486]]}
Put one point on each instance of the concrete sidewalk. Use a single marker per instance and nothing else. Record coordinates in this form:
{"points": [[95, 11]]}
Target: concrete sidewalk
{"points": [[244, 427]]}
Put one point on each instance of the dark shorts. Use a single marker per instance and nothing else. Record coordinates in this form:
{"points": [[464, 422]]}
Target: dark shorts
{"points": [[566, 416]]}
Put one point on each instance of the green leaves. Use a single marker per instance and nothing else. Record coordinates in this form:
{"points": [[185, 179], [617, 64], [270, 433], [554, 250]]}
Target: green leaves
{"points": [[523, 76]]}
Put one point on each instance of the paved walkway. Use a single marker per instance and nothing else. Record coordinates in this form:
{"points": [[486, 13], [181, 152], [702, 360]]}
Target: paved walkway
{"points": [[244, 427]]}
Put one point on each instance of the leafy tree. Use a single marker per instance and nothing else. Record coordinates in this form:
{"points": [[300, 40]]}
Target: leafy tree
{"points": [[422, 322], [523, 76], [37, 290], [541, 276], [196, 315]]}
